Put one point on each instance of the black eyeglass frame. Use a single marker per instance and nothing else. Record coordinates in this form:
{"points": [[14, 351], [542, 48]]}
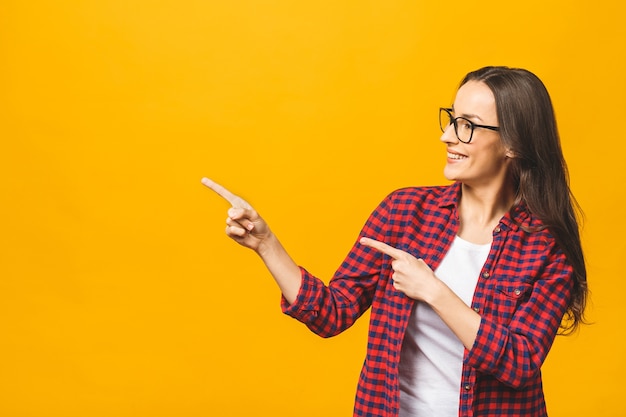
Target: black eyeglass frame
{"points": [[453, 121]]}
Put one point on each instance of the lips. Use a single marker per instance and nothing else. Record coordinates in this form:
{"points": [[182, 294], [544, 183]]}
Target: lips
{"points": [[456, 156]]}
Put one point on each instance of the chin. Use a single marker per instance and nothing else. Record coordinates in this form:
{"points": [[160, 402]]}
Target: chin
{"points": [[450, 176]]}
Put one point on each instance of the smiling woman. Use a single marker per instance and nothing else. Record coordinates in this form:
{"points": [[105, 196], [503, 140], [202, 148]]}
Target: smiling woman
{"points": [[467, 283]]}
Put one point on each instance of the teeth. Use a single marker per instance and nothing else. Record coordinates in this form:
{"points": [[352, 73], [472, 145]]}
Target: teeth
{"points": [[456, 156]]}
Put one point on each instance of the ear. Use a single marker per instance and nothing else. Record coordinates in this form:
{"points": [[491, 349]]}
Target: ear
{"points": [[509, 154]]}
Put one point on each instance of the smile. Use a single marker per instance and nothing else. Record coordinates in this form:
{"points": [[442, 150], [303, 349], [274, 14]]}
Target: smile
{"points": [[456, 156]]}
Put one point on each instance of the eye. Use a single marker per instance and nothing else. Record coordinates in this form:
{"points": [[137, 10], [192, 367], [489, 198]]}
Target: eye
{"points": [[464, 124]]}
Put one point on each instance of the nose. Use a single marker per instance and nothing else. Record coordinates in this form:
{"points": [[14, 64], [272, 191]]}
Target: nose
{"points": [[448, 135]]}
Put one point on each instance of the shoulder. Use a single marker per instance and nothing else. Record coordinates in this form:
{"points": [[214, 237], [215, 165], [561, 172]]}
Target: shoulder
{"points": [[522, 220], [410, 204], [532, 239]]}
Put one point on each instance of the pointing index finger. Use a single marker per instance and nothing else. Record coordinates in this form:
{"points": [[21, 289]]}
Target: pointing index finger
{"points": [[381, 247], [233, 199]]}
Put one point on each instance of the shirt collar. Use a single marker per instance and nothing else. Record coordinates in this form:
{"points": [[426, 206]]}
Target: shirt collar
{"points": [[519, 215], [450, 196]]}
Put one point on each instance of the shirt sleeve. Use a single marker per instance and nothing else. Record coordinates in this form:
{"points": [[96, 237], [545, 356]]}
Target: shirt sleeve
{"points": [[327, 310], [514, 352]]}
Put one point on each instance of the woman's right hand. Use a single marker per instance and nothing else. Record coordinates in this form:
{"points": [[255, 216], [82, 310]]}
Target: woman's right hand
{"points": [[246, 227], [243, 225]]}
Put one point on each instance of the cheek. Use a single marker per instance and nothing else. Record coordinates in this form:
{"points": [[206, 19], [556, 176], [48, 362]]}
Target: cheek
{"points": [[496, 152], [489, 159], [495, 163]]}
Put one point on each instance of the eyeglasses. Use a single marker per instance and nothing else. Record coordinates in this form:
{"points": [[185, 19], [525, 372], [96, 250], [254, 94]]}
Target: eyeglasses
{"points": [[463, 127]]}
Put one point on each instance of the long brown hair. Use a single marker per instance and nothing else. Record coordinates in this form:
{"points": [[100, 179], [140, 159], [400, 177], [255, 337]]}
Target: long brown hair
{"points": [[528, 129]]}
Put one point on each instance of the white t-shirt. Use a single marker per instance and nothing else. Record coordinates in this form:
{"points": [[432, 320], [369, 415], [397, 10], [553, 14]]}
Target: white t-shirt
{"points": [[432, 356]]}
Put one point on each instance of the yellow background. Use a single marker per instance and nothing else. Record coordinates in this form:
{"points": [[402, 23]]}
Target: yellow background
{"points": [[121, 296]]}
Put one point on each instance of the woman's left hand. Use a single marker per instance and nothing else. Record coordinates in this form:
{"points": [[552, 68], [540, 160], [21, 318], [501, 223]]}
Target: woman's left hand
{"points": [[410, 275]]}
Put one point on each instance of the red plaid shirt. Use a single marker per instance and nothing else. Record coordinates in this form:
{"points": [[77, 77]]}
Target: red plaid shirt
{"points": [[521, 295]]}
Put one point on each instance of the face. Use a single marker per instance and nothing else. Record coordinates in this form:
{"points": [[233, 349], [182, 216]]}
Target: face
{"points": [[483, 161]]}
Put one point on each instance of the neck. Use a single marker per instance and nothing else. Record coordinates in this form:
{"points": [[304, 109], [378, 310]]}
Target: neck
{"points": [[480, 210], [484, 206]]}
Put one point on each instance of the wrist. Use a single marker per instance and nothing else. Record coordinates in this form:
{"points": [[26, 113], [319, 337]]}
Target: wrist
{"points": [[267, 245], [438, 294]]}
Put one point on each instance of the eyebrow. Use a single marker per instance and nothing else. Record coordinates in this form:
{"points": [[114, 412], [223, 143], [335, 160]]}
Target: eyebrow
{"points": [[467, 115]]}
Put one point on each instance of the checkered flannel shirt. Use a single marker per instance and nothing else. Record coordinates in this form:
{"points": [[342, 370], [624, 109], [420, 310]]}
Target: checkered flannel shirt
{"points": [[522, 293]]}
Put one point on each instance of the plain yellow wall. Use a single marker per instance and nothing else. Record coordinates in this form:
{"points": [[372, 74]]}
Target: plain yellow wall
{"points": [[121, 296]]}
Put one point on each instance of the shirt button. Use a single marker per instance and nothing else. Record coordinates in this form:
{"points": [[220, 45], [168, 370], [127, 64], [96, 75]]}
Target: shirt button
{"points": [[485, 274], [476, 309], [497, 229], [467, 387], [517, 291]]}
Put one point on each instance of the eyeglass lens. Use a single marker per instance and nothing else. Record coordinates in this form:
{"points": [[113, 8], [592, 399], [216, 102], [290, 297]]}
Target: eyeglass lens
{"points": [[462, 127]]}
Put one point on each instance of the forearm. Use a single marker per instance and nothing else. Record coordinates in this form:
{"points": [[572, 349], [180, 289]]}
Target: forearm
{"points": [[285, 271], [461, 319], [514, 350]]}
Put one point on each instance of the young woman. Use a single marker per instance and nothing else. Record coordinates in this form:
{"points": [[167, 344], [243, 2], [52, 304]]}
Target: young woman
{"points": [[469, 283]]}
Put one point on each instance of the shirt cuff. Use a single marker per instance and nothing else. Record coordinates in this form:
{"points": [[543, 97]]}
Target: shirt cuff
{"points": [[304, 307]]}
